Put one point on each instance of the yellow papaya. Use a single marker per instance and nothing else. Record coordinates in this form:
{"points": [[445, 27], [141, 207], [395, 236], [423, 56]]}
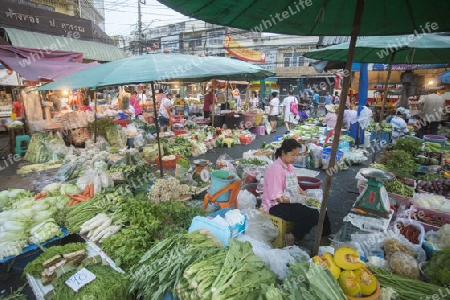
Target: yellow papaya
{"points": [[366, 281], [326, 260], [348, 259], [348, 283]]}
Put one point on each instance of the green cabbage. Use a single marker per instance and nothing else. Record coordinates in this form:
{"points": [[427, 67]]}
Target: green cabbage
{"points": [[52, 189], [69, 189]]}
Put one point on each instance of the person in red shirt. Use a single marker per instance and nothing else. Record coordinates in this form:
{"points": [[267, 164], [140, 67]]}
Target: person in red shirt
{"points": [[207, 103], [18, 108], [134, 101], [85, 106]]}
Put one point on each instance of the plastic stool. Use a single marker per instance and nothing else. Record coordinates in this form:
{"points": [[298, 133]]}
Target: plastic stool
{"points": [[20, 149], [260, 130], [228, 142]]}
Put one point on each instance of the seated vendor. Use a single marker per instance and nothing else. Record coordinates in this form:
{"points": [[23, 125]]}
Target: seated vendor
{"points": [[85, 106], [330, 119], [283, 197]]}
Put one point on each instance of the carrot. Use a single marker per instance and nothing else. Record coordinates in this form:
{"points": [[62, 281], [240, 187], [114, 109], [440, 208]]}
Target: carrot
{"points": [[91, 190], [79, 198], [39, 196], [71, 202], [86, 190]]}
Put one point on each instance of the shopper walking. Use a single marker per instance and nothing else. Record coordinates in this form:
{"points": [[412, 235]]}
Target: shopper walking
{"points": [[274, 111]]}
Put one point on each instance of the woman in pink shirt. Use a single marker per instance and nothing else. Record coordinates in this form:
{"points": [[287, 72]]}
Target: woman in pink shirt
{"points": [[284, 198], [134, 101], [330, 119]]}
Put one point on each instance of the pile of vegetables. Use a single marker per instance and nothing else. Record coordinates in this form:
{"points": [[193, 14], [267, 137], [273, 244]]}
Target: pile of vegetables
{"points": [[395, 186], [100, 227], [200, 268], [27, 221], [165, 189], [406, 288], [399, 162], [437, 186], [408, 144], [146, 224], [108, 285], [438, 268], [346, 267], [43, 148], [36, 267], [177, 146]]}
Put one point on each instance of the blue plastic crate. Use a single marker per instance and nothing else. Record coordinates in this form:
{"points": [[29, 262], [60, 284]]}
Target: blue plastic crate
{"points": [[384, 136]]}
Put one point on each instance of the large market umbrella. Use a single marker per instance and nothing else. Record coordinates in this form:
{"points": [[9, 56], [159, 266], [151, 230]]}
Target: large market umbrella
{"points": [[322, 17], [158, 67], [403, 49], [409, 49]]}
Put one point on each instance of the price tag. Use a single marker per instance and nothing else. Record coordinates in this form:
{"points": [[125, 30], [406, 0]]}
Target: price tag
{"points": [[80, 279]]}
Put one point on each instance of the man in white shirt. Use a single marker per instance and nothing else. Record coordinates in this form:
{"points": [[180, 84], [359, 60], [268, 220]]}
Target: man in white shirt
{"points": [[399, 127], [165, 108], [432, 109], [274, 111], [289, 117], [142, 98]]}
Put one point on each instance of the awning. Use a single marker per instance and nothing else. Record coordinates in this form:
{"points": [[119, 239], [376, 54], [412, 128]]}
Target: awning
{"points": [[90, 50], [36, 65]]}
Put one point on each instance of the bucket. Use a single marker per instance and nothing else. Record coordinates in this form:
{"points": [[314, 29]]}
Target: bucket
{"points": [[326, 152], [249, 119], [440, 139], [307, 182], [219, 180], [367, 135]]}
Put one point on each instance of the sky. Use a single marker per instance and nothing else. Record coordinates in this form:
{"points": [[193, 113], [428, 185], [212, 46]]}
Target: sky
{"points": [[121, 16]]}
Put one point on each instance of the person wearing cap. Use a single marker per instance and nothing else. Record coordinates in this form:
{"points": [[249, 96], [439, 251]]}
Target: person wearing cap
{"points": [[331, 118], [399, 127]]}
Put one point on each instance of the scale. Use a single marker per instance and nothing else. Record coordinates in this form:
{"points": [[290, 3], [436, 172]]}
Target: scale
{"points": [[374, 198]]}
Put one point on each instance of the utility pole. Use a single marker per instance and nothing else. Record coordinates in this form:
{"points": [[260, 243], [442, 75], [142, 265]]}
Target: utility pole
{"points": [[139, 28]]}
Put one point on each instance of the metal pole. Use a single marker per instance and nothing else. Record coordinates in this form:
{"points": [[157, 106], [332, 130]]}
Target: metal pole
{"points": [[348, 67], [152, 84], [383, 103], [139, 28], [95, 116]]}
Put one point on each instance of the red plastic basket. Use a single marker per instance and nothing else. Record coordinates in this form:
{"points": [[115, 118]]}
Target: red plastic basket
{"points": [[167, 164], [122, 123], [179, 132]]}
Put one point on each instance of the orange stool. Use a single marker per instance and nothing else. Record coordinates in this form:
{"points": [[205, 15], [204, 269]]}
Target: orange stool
{"points": [[235, 187]]}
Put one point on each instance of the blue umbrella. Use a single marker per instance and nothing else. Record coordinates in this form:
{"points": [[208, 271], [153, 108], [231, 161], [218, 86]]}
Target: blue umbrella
{"points": [[445, 77]]}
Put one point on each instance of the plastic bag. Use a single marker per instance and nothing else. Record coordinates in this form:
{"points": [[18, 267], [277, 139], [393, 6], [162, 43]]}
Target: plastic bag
{"points": [[225, 162], [90, 176], [401, 224], [131, 131], [106, 180], [260, 227], [246, 200], [139, 141]]}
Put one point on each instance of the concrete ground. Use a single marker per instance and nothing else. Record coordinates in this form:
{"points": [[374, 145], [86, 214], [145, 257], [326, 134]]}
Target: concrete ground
{"points": [[343, 194]]}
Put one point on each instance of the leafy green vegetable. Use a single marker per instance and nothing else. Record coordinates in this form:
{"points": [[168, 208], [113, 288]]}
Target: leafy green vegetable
{"points": [[438, 269], [108, 285], [184, 162], [408, 144], [35, 267], [400, 162]]}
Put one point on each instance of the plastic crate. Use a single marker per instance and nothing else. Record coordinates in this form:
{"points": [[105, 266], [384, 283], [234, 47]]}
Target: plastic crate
{"points": [[122, 123], [425, 211], [167, 164], [384, 136], [283, 226], [440, 139], [347, 230]]}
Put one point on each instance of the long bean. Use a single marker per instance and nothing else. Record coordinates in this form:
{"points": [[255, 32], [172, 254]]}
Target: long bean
{"points": [[406, 288]]}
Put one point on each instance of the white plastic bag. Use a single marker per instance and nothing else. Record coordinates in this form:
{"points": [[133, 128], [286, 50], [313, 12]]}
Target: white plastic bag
{"points": [[106, 180], [260, 227], [246, 200], [90, 176], [399, 223]]}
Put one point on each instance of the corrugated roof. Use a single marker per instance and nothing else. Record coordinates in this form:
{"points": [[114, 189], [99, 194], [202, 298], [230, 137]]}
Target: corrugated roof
{"points": [[90, 50]]}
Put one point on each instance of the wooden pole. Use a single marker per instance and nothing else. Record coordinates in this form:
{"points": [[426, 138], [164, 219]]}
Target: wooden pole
{"points": [[331, 170], [95, 116], [383, 104], [161, 172]]}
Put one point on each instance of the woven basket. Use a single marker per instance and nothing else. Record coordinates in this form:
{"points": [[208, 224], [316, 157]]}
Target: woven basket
{"points": [[79, 136]]}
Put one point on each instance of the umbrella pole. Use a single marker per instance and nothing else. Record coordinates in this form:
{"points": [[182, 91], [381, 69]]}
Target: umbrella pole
{"points": [[95, 116], [157, 129], [383, 103], [331, 169]]}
